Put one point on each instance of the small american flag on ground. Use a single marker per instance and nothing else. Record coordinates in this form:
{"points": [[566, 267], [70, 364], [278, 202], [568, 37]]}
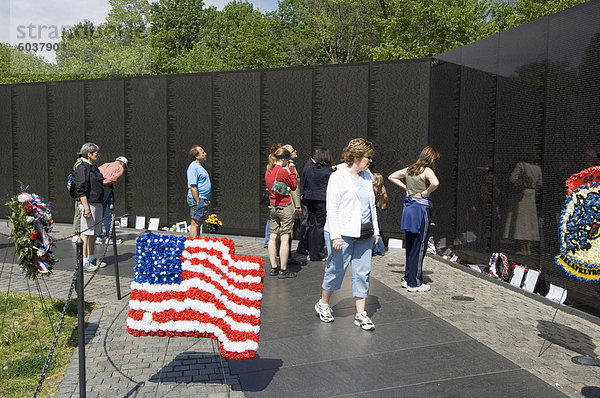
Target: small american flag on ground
{"points": [[197, 287]]}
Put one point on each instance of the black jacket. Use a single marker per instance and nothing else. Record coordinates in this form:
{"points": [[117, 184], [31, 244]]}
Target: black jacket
{"points": [[88, 182], [314, 181]]}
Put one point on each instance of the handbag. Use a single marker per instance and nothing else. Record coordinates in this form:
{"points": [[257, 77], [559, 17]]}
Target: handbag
{"points": [[366, 230], [279, 187]]}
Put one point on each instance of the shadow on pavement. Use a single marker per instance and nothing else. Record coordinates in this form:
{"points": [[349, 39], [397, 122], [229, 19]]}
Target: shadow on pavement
{"points": [[567, 337], [256, 374]]}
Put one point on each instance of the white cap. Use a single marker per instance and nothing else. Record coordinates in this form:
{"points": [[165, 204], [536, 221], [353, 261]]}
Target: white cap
{"points": [[122, 159]]}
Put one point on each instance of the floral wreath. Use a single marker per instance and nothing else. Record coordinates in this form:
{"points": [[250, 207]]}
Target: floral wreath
{"points": [[32, 221]]}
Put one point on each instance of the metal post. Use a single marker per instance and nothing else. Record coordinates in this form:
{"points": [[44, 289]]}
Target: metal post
{"points": [[116, 255], [81, 317]]}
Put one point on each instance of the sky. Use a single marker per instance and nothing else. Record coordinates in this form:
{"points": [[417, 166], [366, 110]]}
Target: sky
{"points": [[33, 22]]}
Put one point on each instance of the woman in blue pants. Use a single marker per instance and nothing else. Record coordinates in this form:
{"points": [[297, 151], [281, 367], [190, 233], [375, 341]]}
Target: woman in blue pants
{"points": [[420, 183]]}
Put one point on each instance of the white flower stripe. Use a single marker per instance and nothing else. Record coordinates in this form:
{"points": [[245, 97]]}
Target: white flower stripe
{"points": [[195, 283], [195, 305], [193, 326]]}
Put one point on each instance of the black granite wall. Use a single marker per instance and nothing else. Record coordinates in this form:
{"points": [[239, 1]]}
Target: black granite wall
{"points": [[531, 96], [234, 116]]}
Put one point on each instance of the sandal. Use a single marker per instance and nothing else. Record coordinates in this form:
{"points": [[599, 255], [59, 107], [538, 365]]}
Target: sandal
{"points": [[287, 274], [274, 271]]}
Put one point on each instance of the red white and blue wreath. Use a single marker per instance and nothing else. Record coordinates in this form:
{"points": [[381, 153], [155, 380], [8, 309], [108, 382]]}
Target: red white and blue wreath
{"points": [[31, 222]]}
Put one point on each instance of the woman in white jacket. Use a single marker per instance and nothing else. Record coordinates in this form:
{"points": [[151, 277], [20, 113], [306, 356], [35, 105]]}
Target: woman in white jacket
{"points": [[351, 230]]}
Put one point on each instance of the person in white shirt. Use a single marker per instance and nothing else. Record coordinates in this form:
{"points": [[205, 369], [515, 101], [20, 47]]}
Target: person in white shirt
{"points": [[351, 230]]}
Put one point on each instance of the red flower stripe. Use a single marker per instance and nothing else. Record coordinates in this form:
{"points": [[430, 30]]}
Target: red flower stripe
{"points": [[252, 286], [207, 297], [191, 315], [227, 242], [249, 354], [193, 293], [243, 272], [136, 315]]}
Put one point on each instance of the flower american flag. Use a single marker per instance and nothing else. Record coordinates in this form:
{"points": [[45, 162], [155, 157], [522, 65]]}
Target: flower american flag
{"points": [[197, 287]]}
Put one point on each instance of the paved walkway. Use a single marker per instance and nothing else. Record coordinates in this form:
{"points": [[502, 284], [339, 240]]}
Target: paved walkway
{"points": [[515, 328]]}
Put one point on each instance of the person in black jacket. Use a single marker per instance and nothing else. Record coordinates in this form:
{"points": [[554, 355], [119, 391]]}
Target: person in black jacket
{"points": [[90, 193], [314, 187]]}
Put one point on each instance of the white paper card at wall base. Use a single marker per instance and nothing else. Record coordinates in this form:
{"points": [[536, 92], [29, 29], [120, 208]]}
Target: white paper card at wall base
{"points": [[140, 222], [394, 243], [556, 294], [181, 226], [475, 267], [531, 279], [153, 224], [517, 277], [124, 222]]}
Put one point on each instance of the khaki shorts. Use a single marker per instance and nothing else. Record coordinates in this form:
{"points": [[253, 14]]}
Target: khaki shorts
{"points": [[282, 219], [87, 224]]}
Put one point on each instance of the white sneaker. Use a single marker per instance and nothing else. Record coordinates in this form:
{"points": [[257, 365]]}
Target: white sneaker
{"points": [[74, 239], [99, 241], [89, 266], [362, 320], [324, 312], [423, 288], [109, 241], [403, 283]]}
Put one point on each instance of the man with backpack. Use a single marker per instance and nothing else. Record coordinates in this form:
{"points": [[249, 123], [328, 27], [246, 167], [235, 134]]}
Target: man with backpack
{"points": [[86, 187]]}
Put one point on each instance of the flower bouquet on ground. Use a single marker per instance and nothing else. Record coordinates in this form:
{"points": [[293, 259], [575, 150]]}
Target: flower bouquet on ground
{"points": [[213, 223], [31, 221]]}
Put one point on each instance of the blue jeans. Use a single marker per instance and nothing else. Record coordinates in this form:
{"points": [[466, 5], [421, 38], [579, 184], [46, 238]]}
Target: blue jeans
{"points": [[267, 232], [379, 248], [106, 214], [355, 251]]}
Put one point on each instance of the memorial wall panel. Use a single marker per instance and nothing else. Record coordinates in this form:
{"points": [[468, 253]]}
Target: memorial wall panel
{"points": [[65, 137], [286, 116], [237, 169], [398, 109], [146, 147], [476, 183], [572, 118], [29, 135], [340, 105], [444, 113], [105, 126], [6, 156], [189, 123], [520, 134]]}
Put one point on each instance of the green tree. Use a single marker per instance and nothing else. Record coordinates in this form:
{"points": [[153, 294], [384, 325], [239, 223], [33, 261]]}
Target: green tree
{"points": [[512, 14], [176, 25], [328, 31], [118, 47], [422, 28], [17, 66]]}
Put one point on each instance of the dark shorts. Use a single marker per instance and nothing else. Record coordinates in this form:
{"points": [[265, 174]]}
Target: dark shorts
{"points": [[198, 211]]}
